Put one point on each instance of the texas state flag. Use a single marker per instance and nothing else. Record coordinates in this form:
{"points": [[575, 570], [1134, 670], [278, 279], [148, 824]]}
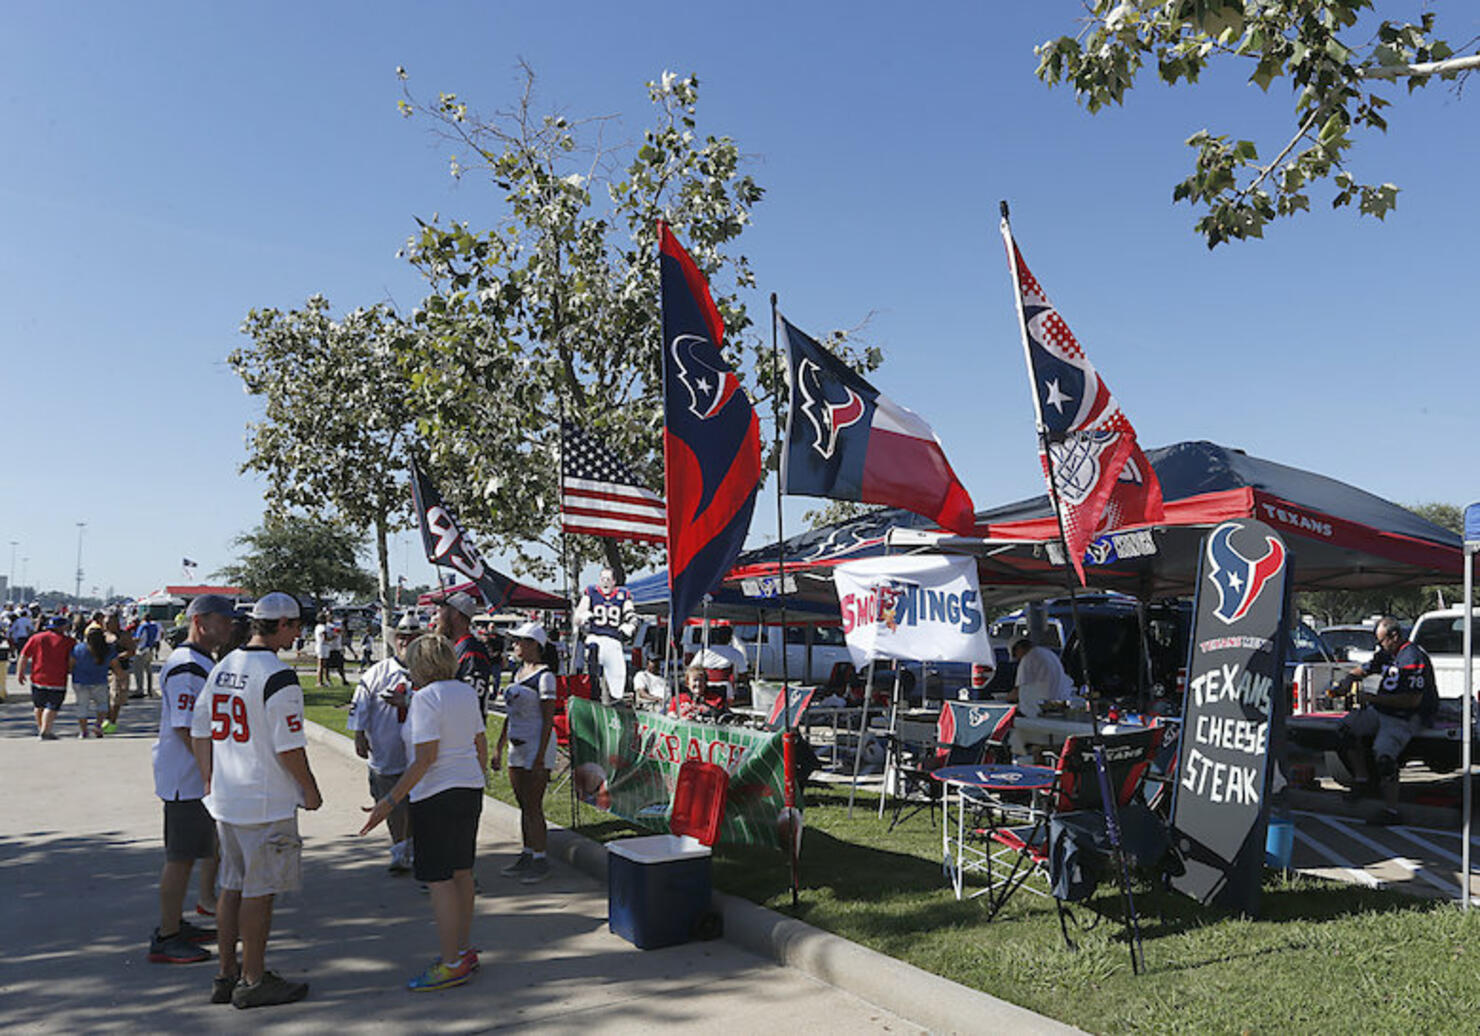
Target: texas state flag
{"points": [[711, 437], [848, 441]]}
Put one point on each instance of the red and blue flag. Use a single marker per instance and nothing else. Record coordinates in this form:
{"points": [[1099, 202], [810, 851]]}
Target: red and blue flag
{"points": [[447, 544], [711, 437], [848, 441], [1096, 469]]}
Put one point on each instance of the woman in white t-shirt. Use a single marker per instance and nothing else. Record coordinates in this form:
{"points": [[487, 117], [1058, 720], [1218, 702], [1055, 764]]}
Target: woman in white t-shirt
{"points": [[448, 748], [529, 703]]}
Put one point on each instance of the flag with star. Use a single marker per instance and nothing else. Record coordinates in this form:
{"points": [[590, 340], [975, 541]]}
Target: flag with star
{"points": [[1098, 476], [599, 495]]}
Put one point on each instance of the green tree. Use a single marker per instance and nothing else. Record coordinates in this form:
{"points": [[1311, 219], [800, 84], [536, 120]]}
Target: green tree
{"points": [[554, 310], [837, 511], [1338, 60], [337, 425], [300, 555], [1406, 602]]}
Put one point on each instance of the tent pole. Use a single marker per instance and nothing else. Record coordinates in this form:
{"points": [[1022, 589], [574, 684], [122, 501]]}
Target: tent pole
{"points": [[893, 747], [868, 687], [1468, 694]]}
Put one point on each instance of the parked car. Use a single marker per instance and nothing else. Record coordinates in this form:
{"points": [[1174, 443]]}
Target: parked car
{"points": [[1441, 633]]}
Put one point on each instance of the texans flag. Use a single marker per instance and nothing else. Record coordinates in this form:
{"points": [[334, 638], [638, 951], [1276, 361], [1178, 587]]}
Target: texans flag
{"points": [[446, 544], [1097, 469], [711, 437], [848, 441]]}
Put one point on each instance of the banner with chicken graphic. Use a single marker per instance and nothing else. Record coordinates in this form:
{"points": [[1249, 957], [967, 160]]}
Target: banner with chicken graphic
{"points": [[916, 609]]}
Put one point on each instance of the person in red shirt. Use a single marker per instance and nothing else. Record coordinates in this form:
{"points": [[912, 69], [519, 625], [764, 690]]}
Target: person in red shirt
{"points": [[47, 660]]}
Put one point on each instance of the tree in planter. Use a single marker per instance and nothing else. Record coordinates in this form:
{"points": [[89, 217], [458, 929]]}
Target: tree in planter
{"points": [[303, 556], [555, 312], [337, 418], [1337, 61]]}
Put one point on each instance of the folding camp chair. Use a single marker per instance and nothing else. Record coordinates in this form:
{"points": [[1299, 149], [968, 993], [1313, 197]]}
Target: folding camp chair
{"points": [[1026, 849], [579, 685], [966, 733]]}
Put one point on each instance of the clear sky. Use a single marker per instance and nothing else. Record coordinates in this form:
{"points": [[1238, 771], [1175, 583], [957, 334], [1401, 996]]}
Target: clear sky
{"points": [[169, 166]]}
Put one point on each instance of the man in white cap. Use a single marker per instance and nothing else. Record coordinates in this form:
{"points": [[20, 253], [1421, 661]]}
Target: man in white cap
{"points": [[249, 741], [377, 717], [189, 831], [454, 621]]}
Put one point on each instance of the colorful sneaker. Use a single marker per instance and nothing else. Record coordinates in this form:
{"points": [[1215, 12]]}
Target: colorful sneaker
{"points": [[519, 866], [537, 871], [271, 989], [174, 950], [110, 727], [440, 976], [222, 986], [204, 911], [469, 958], [195, 933]]}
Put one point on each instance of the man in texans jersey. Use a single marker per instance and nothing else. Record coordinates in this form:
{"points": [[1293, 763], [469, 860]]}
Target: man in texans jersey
{"points": [[189, 831], [475, 667], [249, 740], [608, 619], [1404, 704]]}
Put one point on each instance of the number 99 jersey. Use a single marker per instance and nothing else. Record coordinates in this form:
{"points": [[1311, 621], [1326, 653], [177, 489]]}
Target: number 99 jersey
{"points": [[251, 708]]}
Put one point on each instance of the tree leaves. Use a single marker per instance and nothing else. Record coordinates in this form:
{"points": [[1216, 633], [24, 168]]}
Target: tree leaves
{"points": [[1301, 39]]}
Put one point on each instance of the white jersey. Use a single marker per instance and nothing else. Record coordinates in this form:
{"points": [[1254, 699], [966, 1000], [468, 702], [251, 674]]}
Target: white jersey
{"points": [[446, 712], [371, 711], [176, 775], [252, 709]]}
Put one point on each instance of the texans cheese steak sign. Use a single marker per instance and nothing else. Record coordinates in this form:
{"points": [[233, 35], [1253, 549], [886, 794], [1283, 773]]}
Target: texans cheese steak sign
{"points": [[1232, 712]]}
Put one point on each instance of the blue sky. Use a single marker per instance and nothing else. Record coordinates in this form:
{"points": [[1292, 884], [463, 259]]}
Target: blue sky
{"points": [[170, 166]]}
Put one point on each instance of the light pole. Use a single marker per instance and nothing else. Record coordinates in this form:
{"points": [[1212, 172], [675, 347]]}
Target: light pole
{"points": [[77, 589], [25, 564], [10, 585]]}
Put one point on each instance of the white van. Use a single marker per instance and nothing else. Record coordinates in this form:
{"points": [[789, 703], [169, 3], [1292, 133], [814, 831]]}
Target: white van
{"points": [[811, 651]]}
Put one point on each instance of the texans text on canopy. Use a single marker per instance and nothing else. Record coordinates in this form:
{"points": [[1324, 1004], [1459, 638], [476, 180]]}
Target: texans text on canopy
{"points": [[1341, 537]]}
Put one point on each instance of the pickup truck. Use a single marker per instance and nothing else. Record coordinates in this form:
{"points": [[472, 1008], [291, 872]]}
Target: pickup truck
{"points": [[1441, 634]]}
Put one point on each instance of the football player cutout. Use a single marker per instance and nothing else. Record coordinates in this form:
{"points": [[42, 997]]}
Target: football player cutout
{"points": [[604, 613]]}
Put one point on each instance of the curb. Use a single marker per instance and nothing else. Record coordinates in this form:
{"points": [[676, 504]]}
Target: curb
{"points": [[912, 993]]}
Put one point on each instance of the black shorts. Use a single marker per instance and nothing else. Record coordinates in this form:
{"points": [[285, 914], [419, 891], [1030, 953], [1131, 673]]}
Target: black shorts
{"points": [[444, 832], [189, 831], [47, 697], [336, 660]]}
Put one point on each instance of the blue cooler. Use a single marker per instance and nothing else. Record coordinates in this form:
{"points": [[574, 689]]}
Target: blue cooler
{"points": [[657, 888]]}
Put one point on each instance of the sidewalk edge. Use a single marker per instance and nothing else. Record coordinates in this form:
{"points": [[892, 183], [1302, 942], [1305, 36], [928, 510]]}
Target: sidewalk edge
{"points": [[912, 993]]}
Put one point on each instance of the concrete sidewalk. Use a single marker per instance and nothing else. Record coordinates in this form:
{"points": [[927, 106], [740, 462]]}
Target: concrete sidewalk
{"points": [[80, 851]]}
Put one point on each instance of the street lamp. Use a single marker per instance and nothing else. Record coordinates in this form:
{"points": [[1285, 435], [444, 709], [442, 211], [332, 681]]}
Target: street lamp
{"points": [[77, 589], [10, 585]]}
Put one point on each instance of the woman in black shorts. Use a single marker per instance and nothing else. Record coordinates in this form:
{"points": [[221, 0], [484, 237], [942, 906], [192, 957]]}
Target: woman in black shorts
{"points": [[448, 749]]}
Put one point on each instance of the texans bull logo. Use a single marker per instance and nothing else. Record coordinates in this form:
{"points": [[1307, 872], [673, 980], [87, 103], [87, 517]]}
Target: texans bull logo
{"points": [[709, 381], [1240, 580], [828, 419]]}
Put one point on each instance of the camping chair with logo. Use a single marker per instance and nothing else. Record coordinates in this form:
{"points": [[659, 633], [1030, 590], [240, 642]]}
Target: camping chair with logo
{"points": [[966, 733], [1062, 839]]}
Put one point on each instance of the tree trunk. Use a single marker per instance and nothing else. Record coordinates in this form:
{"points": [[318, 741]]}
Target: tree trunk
{"points": [[613, 559], [382, 556]]}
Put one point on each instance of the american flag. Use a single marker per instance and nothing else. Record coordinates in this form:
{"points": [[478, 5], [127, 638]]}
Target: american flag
{"points": [[599, 495]]}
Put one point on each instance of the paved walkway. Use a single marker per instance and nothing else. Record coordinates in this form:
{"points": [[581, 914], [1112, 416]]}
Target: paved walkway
{"points": [[80, 852]]}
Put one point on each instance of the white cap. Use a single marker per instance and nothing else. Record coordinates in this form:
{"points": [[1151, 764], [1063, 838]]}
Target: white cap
{"points": [[276, 605], [461, 601], [410, 623], [530, 631]]}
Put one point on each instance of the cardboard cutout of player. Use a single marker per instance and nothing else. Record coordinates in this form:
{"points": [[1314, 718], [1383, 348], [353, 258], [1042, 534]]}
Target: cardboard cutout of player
{"points": [[605, 614]]}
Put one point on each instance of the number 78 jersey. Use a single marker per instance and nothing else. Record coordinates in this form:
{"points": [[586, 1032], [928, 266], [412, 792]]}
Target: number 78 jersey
{"points": [[251, 708]]}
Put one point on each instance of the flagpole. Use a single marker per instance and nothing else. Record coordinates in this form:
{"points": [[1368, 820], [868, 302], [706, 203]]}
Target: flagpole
{"points": [[788, 735], [1097, 737]]}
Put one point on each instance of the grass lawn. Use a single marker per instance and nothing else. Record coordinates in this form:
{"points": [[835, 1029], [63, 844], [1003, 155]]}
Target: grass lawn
{"points": [[1325, 957]]}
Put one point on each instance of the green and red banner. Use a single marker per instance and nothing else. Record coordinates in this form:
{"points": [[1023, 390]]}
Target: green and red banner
{"points": [[627, 763]]}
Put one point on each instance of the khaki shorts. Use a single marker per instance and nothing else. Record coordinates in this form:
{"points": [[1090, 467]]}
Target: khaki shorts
{"points": [[92, 699], [261, 859]]}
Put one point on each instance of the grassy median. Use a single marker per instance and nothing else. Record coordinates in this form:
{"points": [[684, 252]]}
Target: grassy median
{"points": [[1324, 957]]}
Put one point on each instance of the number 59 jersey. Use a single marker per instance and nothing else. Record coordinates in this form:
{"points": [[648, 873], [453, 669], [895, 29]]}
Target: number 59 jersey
{"points": [[251, 708]]}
